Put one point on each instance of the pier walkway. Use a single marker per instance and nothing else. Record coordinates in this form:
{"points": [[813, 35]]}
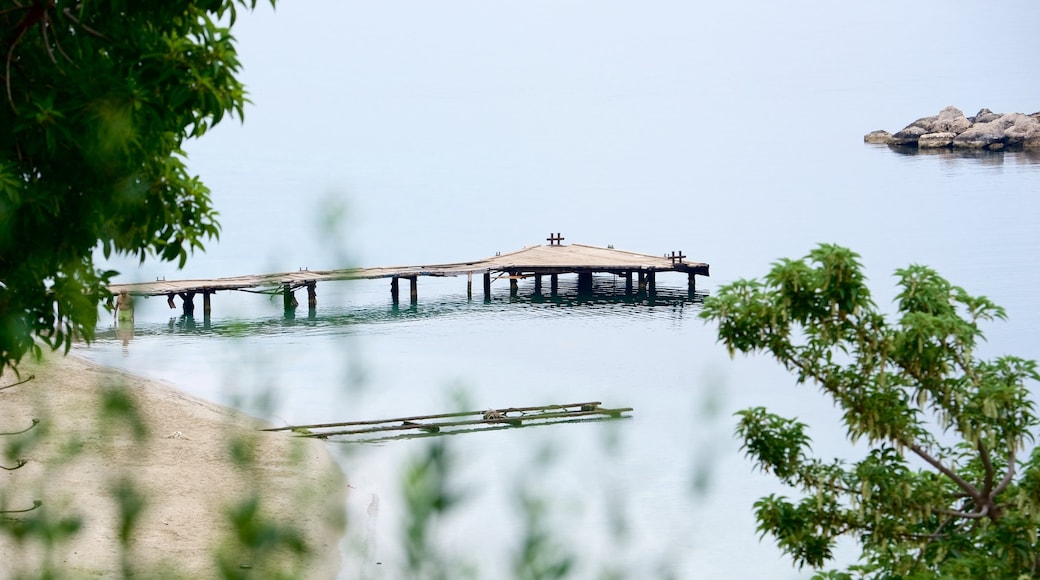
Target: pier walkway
{"points": [[530, 262]]}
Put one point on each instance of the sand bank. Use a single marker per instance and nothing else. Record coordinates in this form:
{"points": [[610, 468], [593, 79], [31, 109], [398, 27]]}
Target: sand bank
{"points": [[183, 466]]}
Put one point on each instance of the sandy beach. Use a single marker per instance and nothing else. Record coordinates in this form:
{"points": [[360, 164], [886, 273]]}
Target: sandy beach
{"points": [[105, 435]]}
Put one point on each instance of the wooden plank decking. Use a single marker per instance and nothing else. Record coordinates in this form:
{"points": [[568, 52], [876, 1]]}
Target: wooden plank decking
{"points": [[466, 420], [537, 261]]}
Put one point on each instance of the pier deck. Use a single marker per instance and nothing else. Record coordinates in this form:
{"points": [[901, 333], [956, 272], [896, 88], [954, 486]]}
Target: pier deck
{"points": [[533, 261], [461, 421]]}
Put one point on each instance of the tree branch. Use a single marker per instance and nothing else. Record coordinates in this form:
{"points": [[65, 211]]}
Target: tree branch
{"points": [[1004, 483], [966, 515], [987, 464], [967, 487]]}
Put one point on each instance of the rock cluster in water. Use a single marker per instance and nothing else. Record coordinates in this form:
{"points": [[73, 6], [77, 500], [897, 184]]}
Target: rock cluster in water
{"points": [[951, 129]]}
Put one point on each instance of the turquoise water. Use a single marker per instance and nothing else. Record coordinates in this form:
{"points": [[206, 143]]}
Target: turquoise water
{"points": [[388, 135]]}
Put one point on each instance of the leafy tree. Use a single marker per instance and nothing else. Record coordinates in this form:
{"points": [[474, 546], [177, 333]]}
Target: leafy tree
{"points": [[948, 487], [96, 99]]}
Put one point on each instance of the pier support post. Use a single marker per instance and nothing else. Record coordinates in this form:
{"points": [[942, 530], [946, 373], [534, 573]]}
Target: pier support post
{"points": [[691, 285], [538, 284], [312, 295], [414, 283], [642, 282], [289, 300], [487, 287], [584, 283], [206, 307], [469, 285], [188, 305], [651, 282], [514, 287], [628, 283], [554, 284], [394, 293]]}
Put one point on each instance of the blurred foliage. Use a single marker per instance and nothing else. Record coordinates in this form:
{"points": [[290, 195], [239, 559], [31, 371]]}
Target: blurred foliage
{"points": [[948, 487], [96, 100], [255, 544]]}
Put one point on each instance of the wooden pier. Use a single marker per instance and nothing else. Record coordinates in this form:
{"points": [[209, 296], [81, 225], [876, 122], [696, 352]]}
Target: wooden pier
{"points": [[462, 421], [538, 261]]}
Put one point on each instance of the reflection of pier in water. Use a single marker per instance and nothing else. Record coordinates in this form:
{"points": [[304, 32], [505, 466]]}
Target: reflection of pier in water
{"points": [[639, 272]]}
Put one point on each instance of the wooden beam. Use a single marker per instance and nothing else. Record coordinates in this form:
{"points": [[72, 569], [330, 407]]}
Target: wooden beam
{"points": [[394, 294]]}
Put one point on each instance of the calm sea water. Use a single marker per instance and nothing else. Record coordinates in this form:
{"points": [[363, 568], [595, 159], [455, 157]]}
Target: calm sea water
{"points": [[412, 133]]}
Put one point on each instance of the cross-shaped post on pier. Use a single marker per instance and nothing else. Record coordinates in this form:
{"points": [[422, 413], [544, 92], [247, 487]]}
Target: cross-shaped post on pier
{"points": [[555, 239], [677, 258]]}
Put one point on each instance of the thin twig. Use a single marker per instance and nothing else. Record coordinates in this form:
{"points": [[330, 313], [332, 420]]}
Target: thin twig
{"points": [[86, 28], [10, 56], [46, 41], [21, 462], [25, 380], [57, 45], [931, 538], [36, 503], [35, 422]]}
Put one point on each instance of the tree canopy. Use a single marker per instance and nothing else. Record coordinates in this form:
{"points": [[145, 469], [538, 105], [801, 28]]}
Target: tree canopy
{"points": [[96, 100], [948, 486]]}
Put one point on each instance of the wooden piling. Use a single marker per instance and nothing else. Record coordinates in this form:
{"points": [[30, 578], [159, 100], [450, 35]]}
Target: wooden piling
{"points": [[469, 285], [554, 284], [312, 295], [206, 307], [414, 283], [628, 283], [642, 282], [651, 282], [691, 285], [584, 282], [288, 300], [188, 300], [487, 286], [514, 287], [538, 284], [394, 293]]}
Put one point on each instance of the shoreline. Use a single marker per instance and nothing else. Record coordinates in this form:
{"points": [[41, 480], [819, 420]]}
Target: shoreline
{"points": [[103, 431]]}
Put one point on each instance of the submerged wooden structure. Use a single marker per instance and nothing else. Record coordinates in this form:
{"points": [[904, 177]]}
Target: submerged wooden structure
{"points": [[466, 420], [537, 262]]}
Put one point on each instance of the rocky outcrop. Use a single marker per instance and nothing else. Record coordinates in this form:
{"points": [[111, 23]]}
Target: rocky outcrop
{"points": [[950, 128]]}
